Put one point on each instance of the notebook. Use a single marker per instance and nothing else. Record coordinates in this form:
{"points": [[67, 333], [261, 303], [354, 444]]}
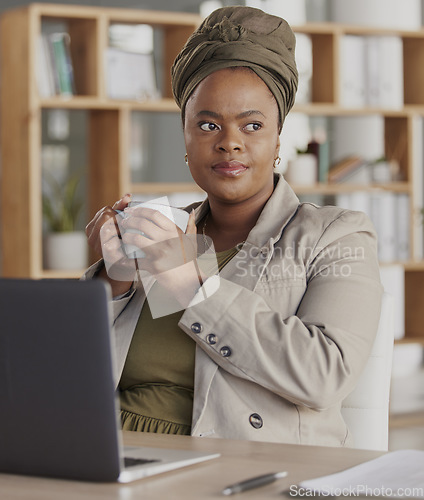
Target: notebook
{"points": [[59, 409]]}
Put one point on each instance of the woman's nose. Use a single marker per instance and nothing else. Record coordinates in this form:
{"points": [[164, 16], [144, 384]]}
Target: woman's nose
{"points": [[230, 140]]}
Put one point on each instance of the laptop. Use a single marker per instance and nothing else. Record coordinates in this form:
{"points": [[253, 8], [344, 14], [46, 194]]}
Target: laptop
{"points": [[59, 408]]}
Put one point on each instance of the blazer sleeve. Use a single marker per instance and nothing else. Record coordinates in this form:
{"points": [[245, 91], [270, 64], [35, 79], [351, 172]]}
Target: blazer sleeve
{"points": [[118, 303], [314, 357]]}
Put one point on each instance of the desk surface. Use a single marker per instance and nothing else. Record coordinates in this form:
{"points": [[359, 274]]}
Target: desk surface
{"points": [[239, 460]]}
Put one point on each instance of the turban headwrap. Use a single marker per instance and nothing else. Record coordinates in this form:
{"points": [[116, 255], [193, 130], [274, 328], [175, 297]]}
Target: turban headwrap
{"points": [[239, 36]]}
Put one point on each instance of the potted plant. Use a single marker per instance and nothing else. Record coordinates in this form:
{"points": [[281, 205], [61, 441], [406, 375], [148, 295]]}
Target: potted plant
{"points": [[65, 245]]}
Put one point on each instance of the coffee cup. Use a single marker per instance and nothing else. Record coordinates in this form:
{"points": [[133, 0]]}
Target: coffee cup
{"points": [[178, 216]]}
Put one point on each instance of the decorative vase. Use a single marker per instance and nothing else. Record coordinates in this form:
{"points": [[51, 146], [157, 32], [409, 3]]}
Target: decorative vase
{"points": [[67, 251], [303, 170]]}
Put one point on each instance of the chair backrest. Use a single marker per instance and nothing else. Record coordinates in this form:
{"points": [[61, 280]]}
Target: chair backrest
{"points": [[366, 409]]}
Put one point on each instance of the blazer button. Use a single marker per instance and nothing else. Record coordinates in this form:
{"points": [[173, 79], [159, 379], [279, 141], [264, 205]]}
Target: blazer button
{"points": [[256, 421], [196, 328], [211, 339], [225, 351]]}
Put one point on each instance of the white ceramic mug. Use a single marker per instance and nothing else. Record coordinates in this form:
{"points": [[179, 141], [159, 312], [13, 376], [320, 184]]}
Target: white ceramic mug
{"points": [[178, 216]]}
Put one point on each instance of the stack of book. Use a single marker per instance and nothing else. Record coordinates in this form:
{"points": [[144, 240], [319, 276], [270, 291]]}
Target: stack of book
{"points": [[352, 169], [371, 71], [129, 62], [54, 65], [390, 212], [377, 13], [393, 281]]}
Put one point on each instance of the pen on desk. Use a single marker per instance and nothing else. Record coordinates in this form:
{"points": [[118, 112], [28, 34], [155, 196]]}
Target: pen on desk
{"points": [[254, 482]]}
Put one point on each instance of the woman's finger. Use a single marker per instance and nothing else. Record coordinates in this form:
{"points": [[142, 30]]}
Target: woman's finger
{"points": [[191, 225], [107, 215], [123, 202], [136, 215], [154, 225]]}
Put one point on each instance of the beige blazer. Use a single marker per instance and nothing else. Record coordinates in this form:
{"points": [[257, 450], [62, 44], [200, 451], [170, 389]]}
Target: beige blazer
{"points": [[286, 327]]}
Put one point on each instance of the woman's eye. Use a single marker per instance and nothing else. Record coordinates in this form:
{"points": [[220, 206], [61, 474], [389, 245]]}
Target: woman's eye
{"points": [[253, 127], [209, 127]]}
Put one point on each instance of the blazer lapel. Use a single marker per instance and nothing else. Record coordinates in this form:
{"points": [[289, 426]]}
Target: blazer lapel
{"points": [[247, 267]]}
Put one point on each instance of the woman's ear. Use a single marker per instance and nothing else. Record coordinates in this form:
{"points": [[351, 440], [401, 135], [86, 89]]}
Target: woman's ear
{"points": [[277, 149]]}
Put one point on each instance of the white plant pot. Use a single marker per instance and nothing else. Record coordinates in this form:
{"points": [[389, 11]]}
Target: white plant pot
{"points": [[67, 251], [302, 171]]}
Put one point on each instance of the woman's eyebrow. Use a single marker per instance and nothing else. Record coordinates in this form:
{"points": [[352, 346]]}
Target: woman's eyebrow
{"points": [[245, 114], [211, 114], [250, 112]]}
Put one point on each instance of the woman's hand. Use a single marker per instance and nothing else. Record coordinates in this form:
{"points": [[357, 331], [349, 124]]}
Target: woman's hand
{"points": [[104, 237], [170, 255]]}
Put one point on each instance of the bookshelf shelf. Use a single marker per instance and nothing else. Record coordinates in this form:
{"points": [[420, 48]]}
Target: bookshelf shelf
{"points": [[88, 102], [413, 265], [329, 109], [330, 189], [411, 340], [340, 29], [109, 122]]}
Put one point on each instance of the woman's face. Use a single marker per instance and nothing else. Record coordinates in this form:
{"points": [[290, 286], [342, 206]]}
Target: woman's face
{"points": [[231, 132]]}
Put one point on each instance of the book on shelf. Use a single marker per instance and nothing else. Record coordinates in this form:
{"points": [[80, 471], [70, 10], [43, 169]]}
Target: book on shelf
{"points": [[138, 38], [352, 168], [357, 200], [418, 186], [304, 67], [44, 68], [390, 14], [129, 63], [383, 214], [61, 54], [361, 135], [402, 226], [393, 281], [55, 74], [371, 71], [384, 71], [352, 71], [390, 215], [130, 75]]}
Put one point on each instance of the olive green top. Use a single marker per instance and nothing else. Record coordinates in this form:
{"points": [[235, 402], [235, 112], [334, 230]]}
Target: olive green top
{"points": [[157, 383]]}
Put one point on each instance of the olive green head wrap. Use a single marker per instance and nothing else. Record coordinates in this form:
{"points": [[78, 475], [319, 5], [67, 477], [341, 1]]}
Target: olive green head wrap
{"points": [[239, 36]]}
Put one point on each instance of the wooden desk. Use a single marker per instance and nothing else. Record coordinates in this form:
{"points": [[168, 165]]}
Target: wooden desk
{"points": [[239, 460]]}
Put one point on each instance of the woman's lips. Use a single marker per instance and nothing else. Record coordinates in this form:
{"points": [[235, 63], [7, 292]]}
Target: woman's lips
{"points": [[229, 168]]}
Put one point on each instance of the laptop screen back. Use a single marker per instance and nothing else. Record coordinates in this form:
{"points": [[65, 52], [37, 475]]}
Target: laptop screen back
{"points": [[58, 405]]}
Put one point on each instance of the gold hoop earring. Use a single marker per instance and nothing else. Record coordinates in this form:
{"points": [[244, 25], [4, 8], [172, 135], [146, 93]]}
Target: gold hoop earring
{"points": [[186, 159], [277, 161]]}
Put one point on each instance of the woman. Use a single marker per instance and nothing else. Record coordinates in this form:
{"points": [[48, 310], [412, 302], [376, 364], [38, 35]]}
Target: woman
{"points": [[268, 348]]}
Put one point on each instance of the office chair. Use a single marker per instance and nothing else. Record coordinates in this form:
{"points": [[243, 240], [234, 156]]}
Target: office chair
{"points": [[366, 409]]}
